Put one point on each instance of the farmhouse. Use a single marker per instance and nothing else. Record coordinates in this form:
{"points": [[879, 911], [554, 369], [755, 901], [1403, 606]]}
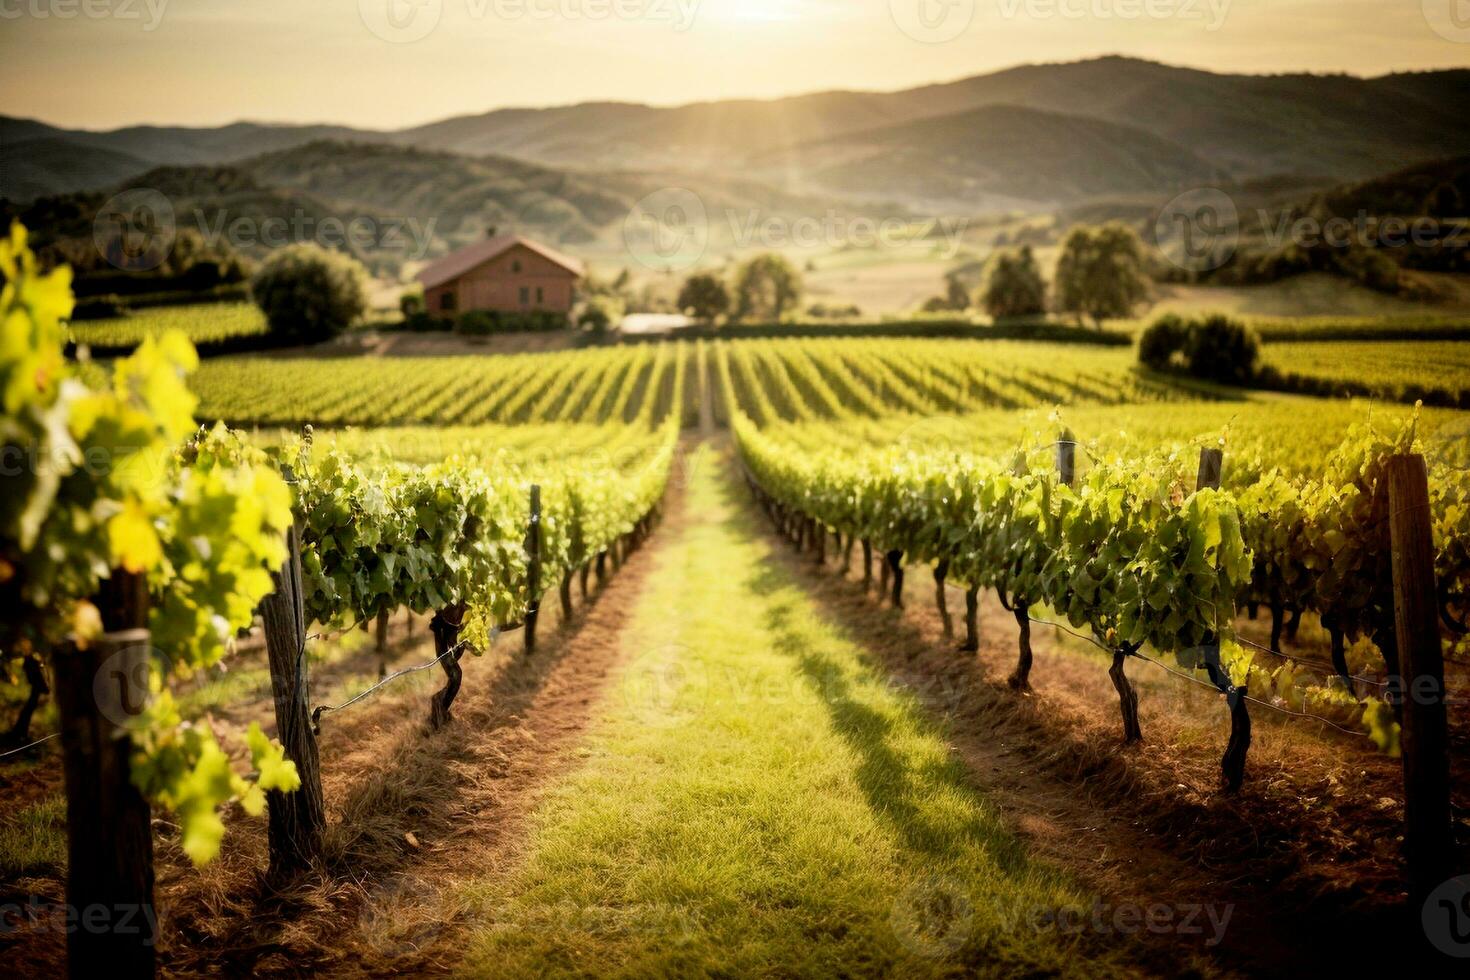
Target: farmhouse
{"points": [[501, 272]]}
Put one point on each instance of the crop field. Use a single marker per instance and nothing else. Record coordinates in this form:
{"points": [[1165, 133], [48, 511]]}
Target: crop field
{"points": [[202, 323], [630, 653], [1434, 371]]}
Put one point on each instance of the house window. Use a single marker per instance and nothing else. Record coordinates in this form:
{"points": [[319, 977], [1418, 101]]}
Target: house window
{"points": [[525, 295], [539, 297], [515, 265], [446, 301]]}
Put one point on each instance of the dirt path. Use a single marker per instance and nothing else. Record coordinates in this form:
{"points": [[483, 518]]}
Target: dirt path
{"points": [[730, 759], [1147, 827], [409, 813]]}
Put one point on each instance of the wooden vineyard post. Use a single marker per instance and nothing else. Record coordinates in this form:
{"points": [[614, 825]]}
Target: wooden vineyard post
{"points": [[99, 690], [867, 564], [533, 568], [819, 532], [1067, 458], [1232, 763], [566, 595], [895, 562], [1425, 737], [1020, 679], [296, 820]]}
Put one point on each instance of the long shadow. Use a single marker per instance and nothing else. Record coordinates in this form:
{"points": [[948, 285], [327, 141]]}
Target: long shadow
{"points": [[890, 781], [418, 787], [1279, 931]]}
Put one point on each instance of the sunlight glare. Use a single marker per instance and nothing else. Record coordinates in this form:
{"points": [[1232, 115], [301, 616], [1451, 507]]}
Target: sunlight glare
{"points": [[764, 11]]}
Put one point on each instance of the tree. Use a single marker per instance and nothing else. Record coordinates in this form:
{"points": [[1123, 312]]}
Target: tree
{"points": [[766, 287], [599, 314], [1014, 286], [956, 297], [1222, 349], [704, 297], [1161, 340], [1100, 272], [309, 294], [1215, 348]]}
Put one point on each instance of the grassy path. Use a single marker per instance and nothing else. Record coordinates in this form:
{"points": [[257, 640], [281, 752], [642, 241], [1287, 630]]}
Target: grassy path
{"points": [[755, 798]]}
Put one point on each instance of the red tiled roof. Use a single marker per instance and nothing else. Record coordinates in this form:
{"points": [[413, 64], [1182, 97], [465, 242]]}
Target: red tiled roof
{"points": [[457, 263]]}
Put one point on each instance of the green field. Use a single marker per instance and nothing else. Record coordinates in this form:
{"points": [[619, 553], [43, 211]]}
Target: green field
{"points": [[202, 323], [1434, 371]]}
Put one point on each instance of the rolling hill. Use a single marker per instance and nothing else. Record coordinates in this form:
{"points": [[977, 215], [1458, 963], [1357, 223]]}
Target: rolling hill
{"points": [[994, 158], [1243, 126]]}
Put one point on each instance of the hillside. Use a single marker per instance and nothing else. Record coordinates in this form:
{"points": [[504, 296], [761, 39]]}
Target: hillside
{"points": [[57, 165], [1249, 125], [1244, 125], [995, 158], [412, 204]]}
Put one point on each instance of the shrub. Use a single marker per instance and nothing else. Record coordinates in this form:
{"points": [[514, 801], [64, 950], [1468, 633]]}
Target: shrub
{"points": [[309, 294], [1215, 348], [1162, 339], [421, 322], [411, 302], [599, 314], [822, 311], [484, 323], [1222, 349]]}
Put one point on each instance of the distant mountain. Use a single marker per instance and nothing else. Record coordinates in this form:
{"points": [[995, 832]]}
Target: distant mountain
{"points": [[1239, 126], [57, 165], [400, 204], [994, 158], [39, 159], [1248, 125]]}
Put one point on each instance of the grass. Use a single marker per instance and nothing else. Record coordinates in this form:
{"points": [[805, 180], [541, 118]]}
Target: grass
{"points": [[757, 799], [34, 840]]}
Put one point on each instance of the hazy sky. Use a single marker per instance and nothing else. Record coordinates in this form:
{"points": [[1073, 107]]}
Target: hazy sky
{"points": [[388, 63]]}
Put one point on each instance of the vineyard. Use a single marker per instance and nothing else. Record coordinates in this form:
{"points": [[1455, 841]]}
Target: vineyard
{"points": [[1431, 371], [545, 662], [201, 323]]}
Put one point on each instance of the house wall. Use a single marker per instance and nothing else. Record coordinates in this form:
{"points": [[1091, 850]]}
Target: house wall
{"points": [[517, 279]]}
